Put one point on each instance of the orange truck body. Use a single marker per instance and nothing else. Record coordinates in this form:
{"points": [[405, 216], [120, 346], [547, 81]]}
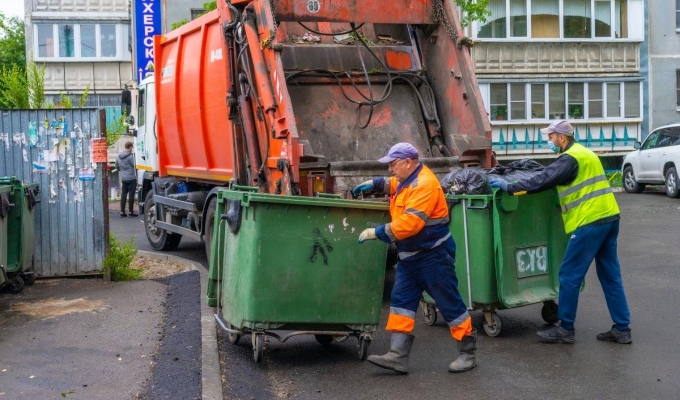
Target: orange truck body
{"points": [[246, 93]]}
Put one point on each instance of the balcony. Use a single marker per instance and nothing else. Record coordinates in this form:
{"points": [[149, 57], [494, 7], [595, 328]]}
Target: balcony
{"points": [[556, 57]]}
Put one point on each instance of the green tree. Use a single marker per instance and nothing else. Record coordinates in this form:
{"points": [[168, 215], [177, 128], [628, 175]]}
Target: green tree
{"points": [[473, 10], [12, 42]]}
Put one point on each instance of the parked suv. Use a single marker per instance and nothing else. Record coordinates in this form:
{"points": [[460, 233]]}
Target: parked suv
{"points": [[654, 162]]}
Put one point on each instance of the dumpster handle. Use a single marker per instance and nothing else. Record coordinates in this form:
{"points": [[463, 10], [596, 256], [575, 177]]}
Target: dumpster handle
{"points": [[232, 331], [467, 251], [484, 207]]}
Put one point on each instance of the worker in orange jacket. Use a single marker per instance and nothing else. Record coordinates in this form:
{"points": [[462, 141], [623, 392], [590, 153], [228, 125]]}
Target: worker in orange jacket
{"points": [[426, 250]]}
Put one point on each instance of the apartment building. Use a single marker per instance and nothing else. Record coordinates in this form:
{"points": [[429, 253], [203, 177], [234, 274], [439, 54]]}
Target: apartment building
{"points": [[82, 44], [664, 63], [538, 60]]}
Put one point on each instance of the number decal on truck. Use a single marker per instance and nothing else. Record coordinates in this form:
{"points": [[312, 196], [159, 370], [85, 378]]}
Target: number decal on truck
{"points": [[531, 261], [313, 6]]}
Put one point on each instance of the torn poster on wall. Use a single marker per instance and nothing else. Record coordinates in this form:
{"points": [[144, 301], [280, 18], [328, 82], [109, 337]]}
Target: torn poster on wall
{"points": [[86, 174]]}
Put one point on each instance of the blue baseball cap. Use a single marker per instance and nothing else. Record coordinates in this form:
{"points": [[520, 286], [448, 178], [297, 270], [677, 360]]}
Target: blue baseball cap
{"points": [[400, 150]]}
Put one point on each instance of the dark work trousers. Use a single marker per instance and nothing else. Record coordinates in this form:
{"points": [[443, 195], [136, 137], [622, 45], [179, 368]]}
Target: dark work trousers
{"points": [[129, 187], [587, 243]]}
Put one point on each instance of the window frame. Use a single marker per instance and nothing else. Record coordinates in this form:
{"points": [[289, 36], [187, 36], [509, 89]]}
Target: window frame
{"points": [[476, 25], [121, 34], [603, 94]]}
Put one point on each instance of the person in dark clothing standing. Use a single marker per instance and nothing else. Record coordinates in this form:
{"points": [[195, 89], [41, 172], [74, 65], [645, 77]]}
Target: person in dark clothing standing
{"points": [[128, 177], [591, 217]]}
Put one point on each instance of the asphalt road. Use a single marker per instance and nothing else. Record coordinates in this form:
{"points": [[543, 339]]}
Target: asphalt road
{"points": [[514, 364]]}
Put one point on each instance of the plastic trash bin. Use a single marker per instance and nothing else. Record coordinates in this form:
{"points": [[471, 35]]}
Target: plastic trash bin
{"points": [[5, 205], [21, 233], [508, 254], [293, 263]]}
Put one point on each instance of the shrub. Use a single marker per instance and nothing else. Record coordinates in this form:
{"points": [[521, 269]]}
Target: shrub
{"points": [[119, 260]]}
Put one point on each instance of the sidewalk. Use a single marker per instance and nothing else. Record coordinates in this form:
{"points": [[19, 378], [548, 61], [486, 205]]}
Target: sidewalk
{"points": [[90, 339]]}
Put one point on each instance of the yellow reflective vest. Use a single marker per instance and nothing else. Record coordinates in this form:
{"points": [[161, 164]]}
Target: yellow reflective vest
{"points": [[589, 197]]}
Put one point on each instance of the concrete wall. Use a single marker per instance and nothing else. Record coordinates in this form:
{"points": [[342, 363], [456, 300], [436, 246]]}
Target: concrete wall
{"points": [[664, 59]]}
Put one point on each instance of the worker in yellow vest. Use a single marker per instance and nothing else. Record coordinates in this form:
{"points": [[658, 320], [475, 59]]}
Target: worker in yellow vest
{"points": [[591, 215]]}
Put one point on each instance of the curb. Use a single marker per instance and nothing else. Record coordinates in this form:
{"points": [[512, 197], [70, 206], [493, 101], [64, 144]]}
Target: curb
{"points": [[211, 379]]}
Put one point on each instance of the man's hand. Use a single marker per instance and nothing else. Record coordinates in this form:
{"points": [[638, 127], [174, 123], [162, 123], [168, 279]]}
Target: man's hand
{"points": [[367, 234], [499, 183], [364, 187]]}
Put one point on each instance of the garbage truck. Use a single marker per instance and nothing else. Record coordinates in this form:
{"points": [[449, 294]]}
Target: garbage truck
{"points": [[298, 98]]}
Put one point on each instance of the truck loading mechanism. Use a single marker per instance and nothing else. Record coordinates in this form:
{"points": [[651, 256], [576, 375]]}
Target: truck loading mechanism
{"points": [[299, 98]]}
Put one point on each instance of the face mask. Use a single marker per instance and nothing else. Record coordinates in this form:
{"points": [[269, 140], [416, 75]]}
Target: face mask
{"points": [[552, 147]]}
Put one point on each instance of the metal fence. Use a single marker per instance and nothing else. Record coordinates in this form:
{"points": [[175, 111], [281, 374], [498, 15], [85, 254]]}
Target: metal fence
{"points": [[53, 148]]}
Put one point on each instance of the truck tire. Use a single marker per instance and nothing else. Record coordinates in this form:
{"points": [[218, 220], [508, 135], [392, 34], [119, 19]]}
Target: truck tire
{"points": [[629, 182], [159, 239], [209, 224]]}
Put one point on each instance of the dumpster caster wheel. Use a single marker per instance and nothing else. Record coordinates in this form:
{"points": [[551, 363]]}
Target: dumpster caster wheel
{"points": [[15, 284], [324, 340], [493, 329], [233, 337], [258, 347], [29, 278], [549, 312], [363, 348], [429, 313]]}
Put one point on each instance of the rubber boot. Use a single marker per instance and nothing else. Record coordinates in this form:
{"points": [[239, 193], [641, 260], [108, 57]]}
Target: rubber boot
{"points": [[466, 359], [397, 358]]}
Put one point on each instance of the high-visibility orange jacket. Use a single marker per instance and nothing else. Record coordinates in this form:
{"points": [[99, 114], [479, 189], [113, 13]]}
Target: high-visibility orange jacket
{"points": [[420, 216]]}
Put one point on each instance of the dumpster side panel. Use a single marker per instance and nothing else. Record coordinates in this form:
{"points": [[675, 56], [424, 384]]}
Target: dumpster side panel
{"points": [[530, 241], [478, 212], [301, 264], [4, 192]]}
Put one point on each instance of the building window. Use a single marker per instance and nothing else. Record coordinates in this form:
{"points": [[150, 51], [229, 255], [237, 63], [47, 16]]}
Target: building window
{"points": [[538, 101], [677, 14], [595, 100], [88, 41], [631, 93], [613, 100], [560, 100], [82, 42], [197, 12], [45, 41], [499, 101], [557, 103], [495, 26], [567, 19]]}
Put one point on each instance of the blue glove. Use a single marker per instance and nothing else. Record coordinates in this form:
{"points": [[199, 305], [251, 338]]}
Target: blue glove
{"points": [[364, 187], [499, 183]]}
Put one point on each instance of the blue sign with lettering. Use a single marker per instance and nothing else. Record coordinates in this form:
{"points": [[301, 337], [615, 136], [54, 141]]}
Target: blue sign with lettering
{"points": [[147, 24]]}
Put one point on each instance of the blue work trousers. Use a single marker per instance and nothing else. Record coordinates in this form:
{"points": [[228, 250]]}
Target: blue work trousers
{"points": [[590, 242], [434, 273]]}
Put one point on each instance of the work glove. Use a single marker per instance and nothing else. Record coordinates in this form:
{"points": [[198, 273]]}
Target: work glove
{"points": [[499, 183], [364, 187], [367, 234]]}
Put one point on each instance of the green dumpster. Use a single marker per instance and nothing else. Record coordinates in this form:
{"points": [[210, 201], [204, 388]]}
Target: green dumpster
{"points": [[508, 254], [21, 233], [293, 263], [5, 205]]}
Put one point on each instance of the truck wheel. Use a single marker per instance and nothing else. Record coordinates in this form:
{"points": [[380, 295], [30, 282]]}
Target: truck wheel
{"points": [[209, 226], [672, 189], [629, 182], [159, 238]]}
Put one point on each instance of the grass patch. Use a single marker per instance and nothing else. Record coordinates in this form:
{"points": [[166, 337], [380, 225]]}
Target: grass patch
{"points": [[119, 260], [615, 178]]}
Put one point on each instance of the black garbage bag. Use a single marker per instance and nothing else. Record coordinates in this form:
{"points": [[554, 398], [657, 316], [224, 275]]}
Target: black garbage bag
{"points": [[516, 170], [466, 181]]}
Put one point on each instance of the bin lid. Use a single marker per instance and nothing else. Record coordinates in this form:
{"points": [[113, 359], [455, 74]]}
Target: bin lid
{"points": [[249, 197]]}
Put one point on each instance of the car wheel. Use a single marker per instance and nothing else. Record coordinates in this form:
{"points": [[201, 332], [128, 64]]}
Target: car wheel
{"points": [[629, 182], [672, 189]]}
